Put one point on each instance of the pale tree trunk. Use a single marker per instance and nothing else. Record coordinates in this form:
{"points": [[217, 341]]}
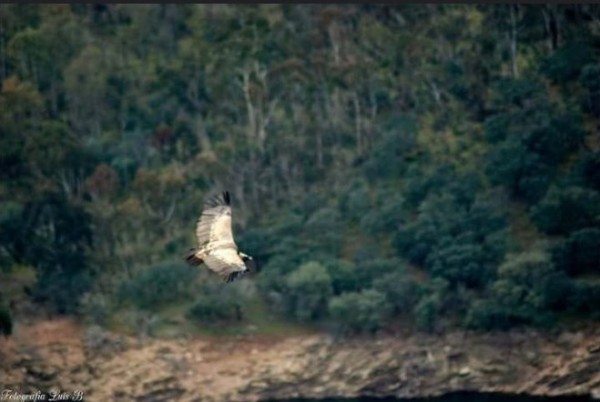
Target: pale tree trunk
{"points": [[259, 108], [552, 26], [334, 38], [251, 115]]}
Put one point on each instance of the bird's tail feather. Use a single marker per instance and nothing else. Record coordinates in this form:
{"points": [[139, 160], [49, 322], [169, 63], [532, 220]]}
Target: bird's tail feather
{"points": [[192, 259]]}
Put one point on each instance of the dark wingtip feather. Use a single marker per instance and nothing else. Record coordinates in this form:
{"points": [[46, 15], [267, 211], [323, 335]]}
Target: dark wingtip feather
{"points": [[191, 258], [219, 199]]}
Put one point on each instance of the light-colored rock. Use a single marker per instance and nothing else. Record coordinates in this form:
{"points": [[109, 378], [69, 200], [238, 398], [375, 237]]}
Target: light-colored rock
{"points": [[63, 355]]}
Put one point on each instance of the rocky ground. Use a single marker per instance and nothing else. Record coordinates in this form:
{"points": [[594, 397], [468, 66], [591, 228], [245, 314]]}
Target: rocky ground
{"points": [[61, 355]]}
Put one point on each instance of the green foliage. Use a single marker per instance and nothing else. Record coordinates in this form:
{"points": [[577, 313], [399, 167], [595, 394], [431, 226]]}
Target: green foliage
{"points": [[584, 298], [160, 284], [459, 240], [487, 315], [521, 172], [579, 253], [527, 289], [529, 280], [567, 62], [533, 136], [386, 215], [461, 263], [387, 158], [566, 209], [352, 166], [58, 247], [11, 232], [215, 303], [345, 276], [324, 230], [401, 290], [427, 311], [96, 308], [587, 171], [364, 311], [355, 201], [308, 290], [590, 79]]}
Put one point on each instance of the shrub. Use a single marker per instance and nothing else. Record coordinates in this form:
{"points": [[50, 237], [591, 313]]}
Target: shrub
{"points": [[387, 158], [323, 230], [368, 271], [401, 290], [355, 201], [584, 298], [427, 310], [563, 210], [527, 289], [308, 290], [521, 172], [96, 308], [579, 253], [426, 313], [344, 276], [385, 217], [419, 183], [216, 303], [458, 239], [590, 78], [160, 284], [566, 62], [488, 315], [364, 311], [461, 263], [587, 170], [415, 240]]}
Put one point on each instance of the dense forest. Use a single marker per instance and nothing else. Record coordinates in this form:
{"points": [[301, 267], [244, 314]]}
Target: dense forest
{"points": [[399, 166]]}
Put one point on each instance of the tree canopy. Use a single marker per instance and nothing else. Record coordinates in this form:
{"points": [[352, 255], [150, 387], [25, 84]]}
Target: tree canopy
{"points": [[435, 165]]}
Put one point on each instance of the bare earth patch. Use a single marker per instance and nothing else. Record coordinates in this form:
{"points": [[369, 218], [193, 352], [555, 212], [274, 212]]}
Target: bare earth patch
{"points": [[60, 354]]}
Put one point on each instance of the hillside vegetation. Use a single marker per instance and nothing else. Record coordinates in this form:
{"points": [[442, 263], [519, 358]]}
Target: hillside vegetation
{"points": [[420, 166]]}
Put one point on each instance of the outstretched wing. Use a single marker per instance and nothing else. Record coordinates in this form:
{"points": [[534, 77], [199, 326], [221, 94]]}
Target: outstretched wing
{"points": [[226, 262], [214, 226]]}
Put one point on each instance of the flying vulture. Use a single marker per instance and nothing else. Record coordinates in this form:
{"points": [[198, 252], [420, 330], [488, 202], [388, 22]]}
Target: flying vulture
{"points": [[216, 247]]}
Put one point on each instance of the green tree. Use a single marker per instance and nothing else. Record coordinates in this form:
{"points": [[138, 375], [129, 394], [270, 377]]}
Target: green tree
{"points": [[158, 285], [364, 311], [579, 253], [564, 210], [402, 291], [308, 290]]}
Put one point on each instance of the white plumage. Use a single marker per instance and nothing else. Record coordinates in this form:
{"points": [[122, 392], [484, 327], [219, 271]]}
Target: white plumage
{"points": [[216, 247]]}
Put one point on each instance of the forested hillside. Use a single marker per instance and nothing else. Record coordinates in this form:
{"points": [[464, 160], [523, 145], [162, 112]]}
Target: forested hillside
{"points": [[421, 166]]}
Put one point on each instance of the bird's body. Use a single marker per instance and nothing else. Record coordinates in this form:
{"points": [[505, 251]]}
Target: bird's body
{"points": [[216, 247]]}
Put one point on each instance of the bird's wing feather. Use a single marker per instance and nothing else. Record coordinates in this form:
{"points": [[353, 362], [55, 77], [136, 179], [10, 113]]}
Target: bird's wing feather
{"points": [[224, 261], [214, 225]]}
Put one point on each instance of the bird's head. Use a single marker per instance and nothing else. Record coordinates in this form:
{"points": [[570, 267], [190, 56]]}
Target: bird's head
{"points": [[244, 257], [249, 263]]}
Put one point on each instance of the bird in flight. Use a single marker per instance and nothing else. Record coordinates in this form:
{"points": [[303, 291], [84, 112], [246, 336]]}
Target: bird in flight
{"points": [[216, 247]]}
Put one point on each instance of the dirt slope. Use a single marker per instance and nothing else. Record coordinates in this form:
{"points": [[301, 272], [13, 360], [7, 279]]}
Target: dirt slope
{"points": [[59, 354]]}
